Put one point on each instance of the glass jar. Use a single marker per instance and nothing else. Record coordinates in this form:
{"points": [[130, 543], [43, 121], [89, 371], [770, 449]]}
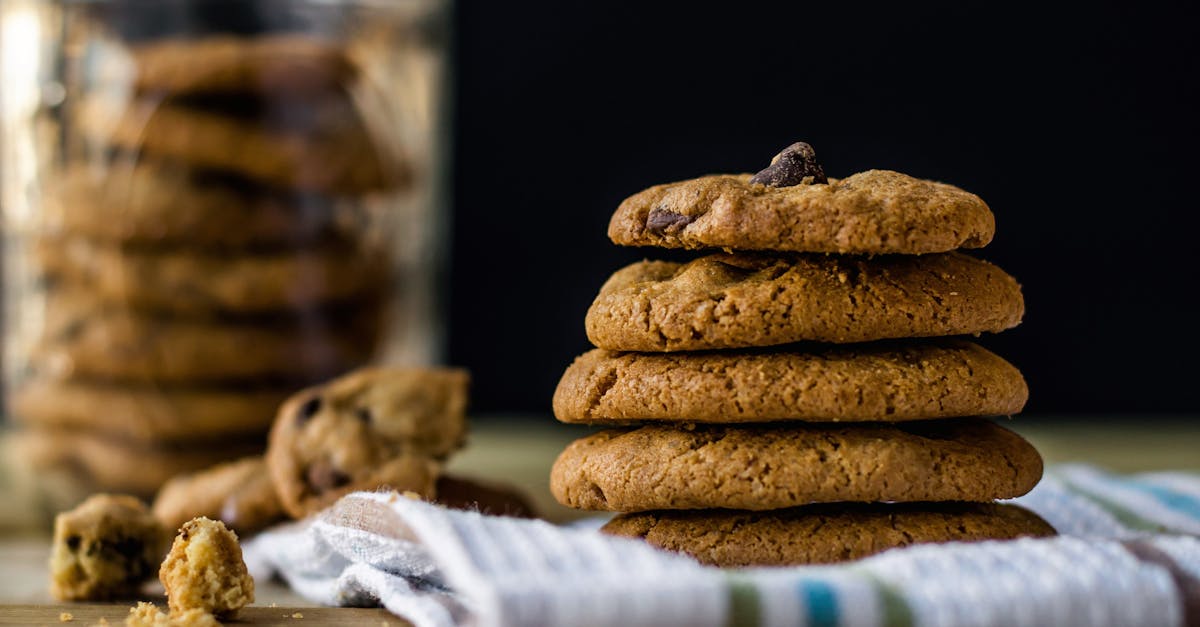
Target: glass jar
{"points": [[208, 205]]}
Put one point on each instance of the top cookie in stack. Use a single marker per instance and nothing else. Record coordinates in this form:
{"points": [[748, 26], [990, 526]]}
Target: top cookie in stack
{"points": [[208, 250], [731, 358]]}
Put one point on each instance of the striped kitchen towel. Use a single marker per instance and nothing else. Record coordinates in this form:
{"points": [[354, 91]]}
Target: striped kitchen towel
{"points": [[1127, 554]]}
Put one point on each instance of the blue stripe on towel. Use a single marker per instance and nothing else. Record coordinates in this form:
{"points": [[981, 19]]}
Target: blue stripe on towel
{"points": [[821, 601]]}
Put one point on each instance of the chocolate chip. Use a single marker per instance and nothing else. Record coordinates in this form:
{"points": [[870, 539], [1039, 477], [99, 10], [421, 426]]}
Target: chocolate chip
{"points": [[324, 476], [662, 221], [790, 167], [308, 410], [363, 414]]}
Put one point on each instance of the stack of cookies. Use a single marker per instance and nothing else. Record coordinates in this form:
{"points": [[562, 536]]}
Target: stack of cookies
{"points": [[209, 249], [800, 398]]}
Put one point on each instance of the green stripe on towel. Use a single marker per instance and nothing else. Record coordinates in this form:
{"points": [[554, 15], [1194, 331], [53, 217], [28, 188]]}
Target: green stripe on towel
{"points": [[744, 610]]}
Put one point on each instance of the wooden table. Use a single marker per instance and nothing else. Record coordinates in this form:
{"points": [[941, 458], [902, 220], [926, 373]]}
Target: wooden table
{"points": [[520, 449]]}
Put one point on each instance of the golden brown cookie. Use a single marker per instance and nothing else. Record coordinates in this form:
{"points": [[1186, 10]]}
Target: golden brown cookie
{"points": [[147, 414], [160, 203], [104, 549], [822, 534], [84, 338], [118, 466], [191, 282], [372, 428], [773, 467], [318, 144], [872, 212], [888, 382], [268, 64], [239, 494], [204, 571], [747, 300]]}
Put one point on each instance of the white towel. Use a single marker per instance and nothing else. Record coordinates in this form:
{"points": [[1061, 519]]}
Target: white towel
{"points": [[1127, 554]]}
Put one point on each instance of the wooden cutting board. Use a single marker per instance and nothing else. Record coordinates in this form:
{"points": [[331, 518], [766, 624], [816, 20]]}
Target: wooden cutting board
{"points": [[85, 614]]}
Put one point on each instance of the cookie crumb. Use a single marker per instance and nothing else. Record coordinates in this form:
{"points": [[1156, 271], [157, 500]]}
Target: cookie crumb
{"points": [[66, 617], [297, 615]]}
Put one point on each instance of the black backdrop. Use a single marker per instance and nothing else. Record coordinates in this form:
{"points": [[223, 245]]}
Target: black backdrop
{"points": [[1077, 126]]}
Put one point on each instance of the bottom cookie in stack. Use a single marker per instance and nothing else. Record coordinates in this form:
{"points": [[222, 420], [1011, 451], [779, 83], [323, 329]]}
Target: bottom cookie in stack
{"points": [[822, 534], [921, 481]]}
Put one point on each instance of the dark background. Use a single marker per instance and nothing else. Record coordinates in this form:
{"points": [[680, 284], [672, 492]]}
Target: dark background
{"points": [[1078, 127]]}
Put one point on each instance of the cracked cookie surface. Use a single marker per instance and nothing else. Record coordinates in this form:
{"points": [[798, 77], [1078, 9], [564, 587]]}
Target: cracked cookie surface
{"points": [[872, 212], [890, 381], [773, 467], [749, 300], [822, 534]]}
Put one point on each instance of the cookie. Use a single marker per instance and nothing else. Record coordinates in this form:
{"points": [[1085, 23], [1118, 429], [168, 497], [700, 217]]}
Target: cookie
{"points": [[205, 571], [104, 549], [746, 300], [239, 494], [760, 468], [193, 282], [317, 145], [85, 338], [113, 465], [148, 413], [889, 382], [271, 64], [872, 212], [822, 534], [374, 427], [484, 497], [160, 203]]}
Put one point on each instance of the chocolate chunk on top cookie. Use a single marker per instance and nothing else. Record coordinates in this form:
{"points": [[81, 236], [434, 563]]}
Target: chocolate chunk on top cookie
{"points": [[872, 212], [369, 429], [888, 382], [749, 300], [773, 467], [822, 534]]}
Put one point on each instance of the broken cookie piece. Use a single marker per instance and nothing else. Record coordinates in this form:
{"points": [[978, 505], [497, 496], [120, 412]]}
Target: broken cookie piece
{"points": [[104, 549], [205, 571]]}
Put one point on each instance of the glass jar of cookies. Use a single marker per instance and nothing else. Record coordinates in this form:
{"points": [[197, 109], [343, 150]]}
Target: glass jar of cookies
{"points": [[208, 205]]}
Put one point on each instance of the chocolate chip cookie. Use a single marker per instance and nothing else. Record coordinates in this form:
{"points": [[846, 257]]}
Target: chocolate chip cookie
{"points": [[272, 64], [887, 382], [111, 464], [822, 534], [239, 494], [371, 428], [104, 549], [773, 467], [872, 212], [84, 337], [318, 144], [194, 282], [748, 300], [147, 414], [162, 203]]}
